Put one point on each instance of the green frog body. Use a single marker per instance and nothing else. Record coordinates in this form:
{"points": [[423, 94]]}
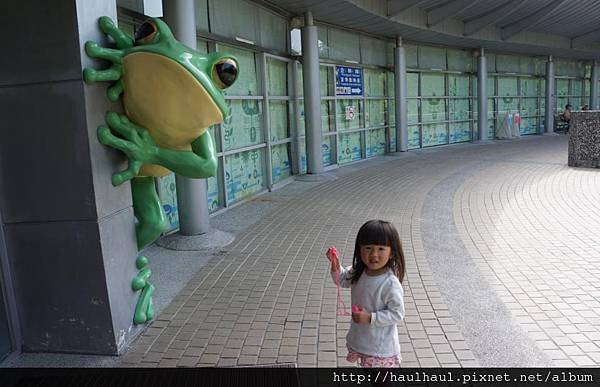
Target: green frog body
{"points": [[171, 94]]}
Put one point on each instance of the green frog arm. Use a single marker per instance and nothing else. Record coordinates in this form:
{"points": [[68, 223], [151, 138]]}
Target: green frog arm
{"points": [[201, 162], [141, 149]]}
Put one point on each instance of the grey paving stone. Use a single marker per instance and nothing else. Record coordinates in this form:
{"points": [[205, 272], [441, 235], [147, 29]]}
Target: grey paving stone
{"points": [[489, 207]]}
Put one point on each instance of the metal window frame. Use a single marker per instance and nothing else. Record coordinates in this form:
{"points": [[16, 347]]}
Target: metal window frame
{"points": [[265, 58]]}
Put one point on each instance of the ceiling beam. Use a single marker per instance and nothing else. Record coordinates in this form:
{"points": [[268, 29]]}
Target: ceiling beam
{"points": [[530, 20], [439, 14], [396, 7], [492, 16], [588, 37]]}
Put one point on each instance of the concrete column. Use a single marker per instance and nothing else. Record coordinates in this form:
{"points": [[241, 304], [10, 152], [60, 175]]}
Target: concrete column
{"points": [[549, 114], [69, 234], [594, 86], [482, 97], [312, 95], [192, 196], [400, 95]]}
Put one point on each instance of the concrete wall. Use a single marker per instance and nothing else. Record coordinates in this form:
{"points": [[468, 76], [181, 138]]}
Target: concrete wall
{"points": [[70, 235]]}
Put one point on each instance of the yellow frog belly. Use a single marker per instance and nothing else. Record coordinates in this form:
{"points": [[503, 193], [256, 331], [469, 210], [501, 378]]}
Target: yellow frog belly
{"points": [[163, 97]]}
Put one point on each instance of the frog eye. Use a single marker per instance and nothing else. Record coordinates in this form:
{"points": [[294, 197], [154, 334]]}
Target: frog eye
{"points": [[146, 33], [224, 73]]}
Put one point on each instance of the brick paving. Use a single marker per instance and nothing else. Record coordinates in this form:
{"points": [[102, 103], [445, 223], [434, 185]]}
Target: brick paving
{"points": [[529, 223]]}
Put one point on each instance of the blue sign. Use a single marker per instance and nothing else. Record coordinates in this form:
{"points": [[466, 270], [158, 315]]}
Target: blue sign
{"points": [[348, 81]]}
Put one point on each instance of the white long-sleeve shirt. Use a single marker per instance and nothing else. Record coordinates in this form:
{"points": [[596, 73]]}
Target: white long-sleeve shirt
{"points": [[383, 296]]}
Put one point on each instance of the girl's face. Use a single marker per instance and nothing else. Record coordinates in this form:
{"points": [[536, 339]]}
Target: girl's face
{"points": [[375, 257]]}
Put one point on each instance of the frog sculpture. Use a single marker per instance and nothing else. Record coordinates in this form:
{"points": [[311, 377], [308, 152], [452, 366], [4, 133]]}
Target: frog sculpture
{"points": [[171, 94]]}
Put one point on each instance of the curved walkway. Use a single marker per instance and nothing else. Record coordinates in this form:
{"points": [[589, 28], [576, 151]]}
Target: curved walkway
{"points": [[503, 261]]}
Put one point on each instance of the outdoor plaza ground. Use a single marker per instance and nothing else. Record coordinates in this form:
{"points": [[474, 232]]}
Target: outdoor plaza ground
{"points": [[502, 244]]}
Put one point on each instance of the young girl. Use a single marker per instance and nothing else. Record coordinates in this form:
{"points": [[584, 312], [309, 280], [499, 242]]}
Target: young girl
{"points": [[377, 296]]}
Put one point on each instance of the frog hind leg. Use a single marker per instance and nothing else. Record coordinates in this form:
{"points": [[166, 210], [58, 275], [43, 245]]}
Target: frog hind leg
{"points": [[148, 211], [144, 310]]}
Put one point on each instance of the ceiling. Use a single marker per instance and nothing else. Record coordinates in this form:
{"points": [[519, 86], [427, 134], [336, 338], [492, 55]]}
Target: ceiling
{"points": [[563, 28]]}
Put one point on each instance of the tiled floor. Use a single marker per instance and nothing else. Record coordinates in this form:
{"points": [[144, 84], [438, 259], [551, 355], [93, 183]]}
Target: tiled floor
{"points": [[526, 225]]}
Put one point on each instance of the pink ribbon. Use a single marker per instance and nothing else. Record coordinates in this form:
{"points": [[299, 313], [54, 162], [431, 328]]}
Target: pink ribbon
{"points": [[341, 307]]}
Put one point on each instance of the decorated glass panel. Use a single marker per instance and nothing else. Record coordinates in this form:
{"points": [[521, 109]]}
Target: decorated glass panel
{"points": [[375, 142], [349, 147], [349, 114], [247, 81], [277, 77], [244, 174], [280, 161], [278, 116], [414, 137], [244, 125]]}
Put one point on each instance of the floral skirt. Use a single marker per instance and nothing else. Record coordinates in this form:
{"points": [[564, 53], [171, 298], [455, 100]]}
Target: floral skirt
{"points": [[369, 361]]}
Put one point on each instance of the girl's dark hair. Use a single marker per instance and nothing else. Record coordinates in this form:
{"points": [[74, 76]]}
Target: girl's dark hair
{"points": [[379, 232]]}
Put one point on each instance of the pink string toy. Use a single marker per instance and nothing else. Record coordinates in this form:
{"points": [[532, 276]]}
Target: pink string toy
{"points": [[341, 307]]}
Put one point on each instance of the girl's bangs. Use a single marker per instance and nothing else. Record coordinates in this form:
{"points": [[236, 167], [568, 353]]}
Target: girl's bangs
{"points": [[374, 233]]}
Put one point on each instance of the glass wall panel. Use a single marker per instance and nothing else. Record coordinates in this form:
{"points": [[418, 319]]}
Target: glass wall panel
{"points": [[375, 113], [278, 116], [244, 174], [459, 109], [280, 161], [343, 45], [167, 193], [391, 108], [542, 102], [577, 93], [273, 30], [374, 83], [212, 190], [530, 88], [433, 110], [327, 150], [414, 137], [412, 105], [326, 80], [277, 81], [432, 58], [244, 126], [247, 81], [349, 114], [459, 132], [349, 147], [508, 101], [375, 142], [562, 92], [327, 116], [435, 134]]}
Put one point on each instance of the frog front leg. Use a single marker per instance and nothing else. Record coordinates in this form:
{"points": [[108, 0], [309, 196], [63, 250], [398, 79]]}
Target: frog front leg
{"points": [[140, 148], [115, 72]]}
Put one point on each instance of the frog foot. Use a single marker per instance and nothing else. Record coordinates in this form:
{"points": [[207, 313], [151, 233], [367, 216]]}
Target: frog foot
{"points": [[114, 73], [144, 310], [134, 141]]}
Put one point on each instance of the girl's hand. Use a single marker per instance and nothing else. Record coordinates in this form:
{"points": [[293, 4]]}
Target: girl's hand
{"points": [[332, 256], [361, 316]]}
